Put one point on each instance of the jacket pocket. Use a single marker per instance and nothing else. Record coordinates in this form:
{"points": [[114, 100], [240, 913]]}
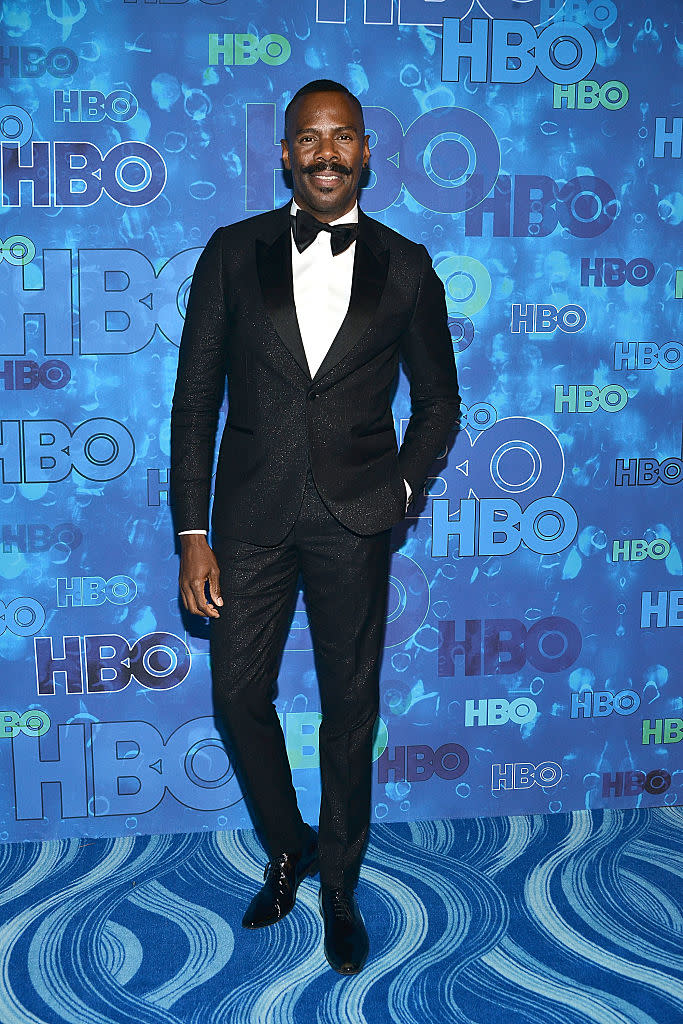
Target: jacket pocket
{"points": [[239, 427], [376, 430]]}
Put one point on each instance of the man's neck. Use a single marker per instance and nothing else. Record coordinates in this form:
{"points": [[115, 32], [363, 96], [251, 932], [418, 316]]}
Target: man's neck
{"points": [[350, 217]]}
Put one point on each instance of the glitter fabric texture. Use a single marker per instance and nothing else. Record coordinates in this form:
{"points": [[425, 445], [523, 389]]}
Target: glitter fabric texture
{"points": [[241, 323], [309, 483], [344, 579]]}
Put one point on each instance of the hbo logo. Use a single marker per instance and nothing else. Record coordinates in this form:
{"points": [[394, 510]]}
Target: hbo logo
{"points": [[655, 782], [524, 775], [551, 645], [124, 767], [31, 723], [563, 53], [499, 526], [615, 272], [500, 711], [645, 355], [23, 616], [588, 95], [599, 704], [418, 762], [33, 61], [546, 319], [243, 48], [27, 374], [647, 472], [47, 450], [478, 416], [588, 398], [637, 550], [76, 105], [33, 537], [664, 730], [158, 661], [131, 173], [90, 591], [17, 250], [599, 13]]}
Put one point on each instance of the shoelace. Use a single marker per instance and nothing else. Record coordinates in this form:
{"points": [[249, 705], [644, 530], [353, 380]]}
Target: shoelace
{"points": [[341, 905], [275, 867]]}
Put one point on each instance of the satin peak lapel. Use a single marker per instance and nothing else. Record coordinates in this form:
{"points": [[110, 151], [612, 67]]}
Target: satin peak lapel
{"points": [[369, 277], [274, 266]]}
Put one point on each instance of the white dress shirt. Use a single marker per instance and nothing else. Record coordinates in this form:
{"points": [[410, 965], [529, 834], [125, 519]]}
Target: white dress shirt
{"points": [[322, 291]]}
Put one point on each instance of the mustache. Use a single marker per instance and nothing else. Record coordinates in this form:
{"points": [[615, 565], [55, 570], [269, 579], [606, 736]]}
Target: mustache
{"points": [[322, 166]]}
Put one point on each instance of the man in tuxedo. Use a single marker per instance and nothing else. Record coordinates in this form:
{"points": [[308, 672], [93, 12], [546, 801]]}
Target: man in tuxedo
{"points": [[306, 310]]}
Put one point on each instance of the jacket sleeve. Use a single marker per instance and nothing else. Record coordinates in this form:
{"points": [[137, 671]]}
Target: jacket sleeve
{"points": [[427, 352], [199, 389]]}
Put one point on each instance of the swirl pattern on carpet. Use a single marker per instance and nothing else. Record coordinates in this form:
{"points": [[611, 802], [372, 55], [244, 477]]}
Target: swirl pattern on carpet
{"points": [[562, 919]]}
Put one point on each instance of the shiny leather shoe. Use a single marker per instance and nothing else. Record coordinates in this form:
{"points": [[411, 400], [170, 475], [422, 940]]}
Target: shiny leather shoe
{"points": [[282, 877], [346, 940]]}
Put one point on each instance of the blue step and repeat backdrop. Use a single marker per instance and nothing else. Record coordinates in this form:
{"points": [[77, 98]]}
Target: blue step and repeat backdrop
{"points": [[533, 640]]}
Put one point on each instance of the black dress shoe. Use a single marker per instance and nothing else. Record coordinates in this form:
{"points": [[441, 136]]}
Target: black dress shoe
{"points": [[346, 940], [282, 878]]}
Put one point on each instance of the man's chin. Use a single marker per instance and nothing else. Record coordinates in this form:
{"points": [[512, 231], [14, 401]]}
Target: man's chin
{"points": [[328, 199], [327, 190]]}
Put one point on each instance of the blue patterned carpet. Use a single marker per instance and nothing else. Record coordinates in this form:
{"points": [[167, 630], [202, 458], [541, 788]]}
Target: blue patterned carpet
{"points": [[564, 919]]}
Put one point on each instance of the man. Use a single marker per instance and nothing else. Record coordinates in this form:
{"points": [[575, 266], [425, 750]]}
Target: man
{"points": [[307, 310]]}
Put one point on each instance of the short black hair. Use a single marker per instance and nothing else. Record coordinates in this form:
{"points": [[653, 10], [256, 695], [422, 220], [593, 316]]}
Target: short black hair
{"points": [[321, 85]]}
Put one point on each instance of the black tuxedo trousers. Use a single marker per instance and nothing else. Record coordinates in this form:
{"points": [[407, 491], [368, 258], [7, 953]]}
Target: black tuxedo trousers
{"points": [[345, 578]]}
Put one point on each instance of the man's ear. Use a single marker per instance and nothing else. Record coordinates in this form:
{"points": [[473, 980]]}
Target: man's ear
{"points": [[285, 154]]}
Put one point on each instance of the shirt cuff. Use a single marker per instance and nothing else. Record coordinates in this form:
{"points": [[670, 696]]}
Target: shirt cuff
{"points": [[181, 533], [408, 492]]}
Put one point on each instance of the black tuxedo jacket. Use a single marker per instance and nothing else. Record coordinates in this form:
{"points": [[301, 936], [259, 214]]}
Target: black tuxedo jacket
{"points": [[241, 323]]}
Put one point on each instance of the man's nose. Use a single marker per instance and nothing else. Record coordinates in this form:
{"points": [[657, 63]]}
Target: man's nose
{"points": [[327, 148]]}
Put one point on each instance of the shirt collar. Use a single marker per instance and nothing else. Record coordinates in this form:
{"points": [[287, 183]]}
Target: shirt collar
{"points": [[349, 218]]}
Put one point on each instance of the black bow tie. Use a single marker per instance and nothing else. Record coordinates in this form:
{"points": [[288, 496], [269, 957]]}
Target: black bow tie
{"points": [[306, 229]]}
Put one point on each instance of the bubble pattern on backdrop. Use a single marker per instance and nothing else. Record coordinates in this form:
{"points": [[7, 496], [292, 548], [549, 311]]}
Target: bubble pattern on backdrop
{"points": [[531, 663]]}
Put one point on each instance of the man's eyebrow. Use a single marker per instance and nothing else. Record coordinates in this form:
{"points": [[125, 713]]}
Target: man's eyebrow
{"points": [[339, 128]]}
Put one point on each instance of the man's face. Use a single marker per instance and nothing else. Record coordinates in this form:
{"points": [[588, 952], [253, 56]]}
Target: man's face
{"points": [[326, 150]]}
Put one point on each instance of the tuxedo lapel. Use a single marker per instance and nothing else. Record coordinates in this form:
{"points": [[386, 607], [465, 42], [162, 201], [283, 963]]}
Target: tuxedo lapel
{"points": [[370, 267], [274, 266]]}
